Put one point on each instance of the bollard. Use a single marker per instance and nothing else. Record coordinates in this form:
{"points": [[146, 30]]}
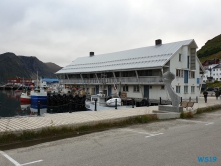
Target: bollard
{"points": [[196, 99], [132, 103], [189, 99], [147, 102], [115, 104], [95, 105], [160, 101], [38, 108], [70, 109], [181, 99]]}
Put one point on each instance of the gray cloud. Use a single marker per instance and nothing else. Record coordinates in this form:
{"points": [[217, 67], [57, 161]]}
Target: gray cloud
{"points": [[60, 31]]}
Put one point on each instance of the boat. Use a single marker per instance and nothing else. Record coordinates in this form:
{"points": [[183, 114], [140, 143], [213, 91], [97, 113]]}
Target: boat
{"points": [[39, 95], [25, 97]]}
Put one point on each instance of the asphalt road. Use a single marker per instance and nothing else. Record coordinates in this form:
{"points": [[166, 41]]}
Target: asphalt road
{"points": [[166, 143]]}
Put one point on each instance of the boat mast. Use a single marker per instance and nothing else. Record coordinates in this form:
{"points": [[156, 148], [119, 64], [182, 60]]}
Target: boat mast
{"points": [[37, 79]]}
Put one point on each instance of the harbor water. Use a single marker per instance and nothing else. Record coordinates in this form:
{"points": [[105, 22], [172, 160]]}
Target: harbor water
{"points": [[10, 106]]}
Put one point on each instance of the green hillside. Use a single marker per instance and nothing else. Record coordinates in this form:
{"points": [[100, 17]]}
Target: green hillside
{"points": [[211, 49]]}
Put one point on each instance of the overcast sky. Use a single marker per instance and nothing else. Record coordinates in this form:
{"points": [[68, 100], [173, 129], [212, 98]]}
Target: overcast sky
{"points": [[59, 31]]}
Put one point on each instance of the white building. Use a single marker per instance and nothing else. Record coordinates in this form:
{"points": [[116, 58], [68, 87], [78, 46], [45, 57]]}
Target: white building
{"points": [[138, 72], [213, 71]]}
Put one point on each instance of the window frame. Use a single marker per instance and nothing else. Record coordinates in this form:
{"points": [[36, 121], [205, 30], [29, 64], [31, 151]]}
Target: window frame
{"points": [[180, 57], [125, 88], [185, 89], [136, 88], [193, 89], [178, 89]]}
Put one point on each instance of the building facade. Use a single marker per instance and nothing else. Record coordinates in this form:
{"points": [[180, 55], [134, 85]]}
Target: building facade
{"points": [[138, 72]]}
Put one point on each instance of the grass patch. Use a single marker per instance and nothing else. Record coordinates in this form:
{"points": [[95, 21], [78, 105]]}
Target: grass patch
{"points": [[186, 115], [52, 131], [208, 109]]}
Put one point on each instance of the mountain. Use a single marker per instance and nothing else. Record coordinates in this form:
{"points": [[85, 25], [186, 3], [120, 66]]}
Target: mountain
{"points": [[54, 68], [12, 66], [211, 49]]}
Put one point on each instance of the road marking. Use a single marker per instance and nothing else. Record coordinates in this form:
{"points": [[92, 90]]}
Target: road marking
{"points": [[15, 162], [32, 162], [209, 123], [152, 135], [149, 134], [206, 123], [10, 159]]}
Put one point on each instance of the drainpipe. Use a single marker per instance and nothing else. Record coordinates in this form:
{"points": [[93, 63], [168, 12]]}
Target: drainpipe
{"points": [[139, 84], [82, 80], [97, 78], [164, 85], [115, 81]]}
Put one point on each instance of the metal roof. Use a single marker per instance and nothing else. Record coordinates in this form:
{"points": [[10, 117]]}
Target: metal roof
{"points": [[216, 66], [145, 57]]}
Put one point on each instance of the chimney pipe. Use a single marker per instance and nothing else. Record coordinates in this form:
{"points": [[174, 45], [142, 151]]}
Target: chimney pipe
{"points": [[91, 54], [158, 42]]}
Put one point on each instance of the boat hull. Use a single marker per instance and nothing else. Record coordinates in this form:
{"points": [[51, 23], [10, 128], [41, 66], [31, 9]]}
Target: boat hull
{"points": [[39, 97], [25, 98]]}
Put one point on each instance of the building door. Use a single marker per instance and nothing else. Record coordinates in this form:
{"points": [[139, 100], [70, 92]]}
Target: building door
{"points": [[109, 90], [97, 89], [186, 76], [146, 91]]}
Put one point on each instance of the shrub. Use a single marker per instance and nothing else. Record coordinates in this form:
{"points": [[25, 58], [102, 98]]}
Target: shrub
{"points": [[185, 115]]}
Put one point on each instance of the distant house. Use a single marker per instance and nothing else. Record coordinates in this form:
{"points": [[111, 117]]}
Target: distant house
{"points": [[211, 62], [138, 72], [210, 74], [23, 81]]}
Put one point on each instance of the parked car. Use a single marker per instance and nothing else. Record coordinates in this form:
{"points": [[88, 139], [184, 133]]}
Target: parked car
{"points": [[210, 91]]}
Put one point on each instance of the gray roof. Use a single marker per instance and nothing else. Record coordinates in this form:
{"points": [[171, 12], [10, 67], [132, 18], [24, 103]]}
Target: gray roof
{"points": [[217, 66], [146, 57]]}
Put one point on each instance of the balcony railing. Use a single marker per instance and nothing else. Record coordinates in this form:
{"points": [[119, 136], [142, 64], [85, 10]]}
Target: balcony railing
{"points": [[117, 80]]}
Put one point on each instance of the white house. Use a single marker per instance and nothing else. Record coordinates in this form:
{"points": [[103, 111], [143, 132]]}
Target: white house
{"points": [[138, 72], [212, 71]]}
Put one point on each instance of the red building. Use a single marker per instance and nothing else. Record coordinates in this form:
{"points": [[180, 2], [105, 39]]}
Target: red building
{"points": [[210, 62], [24, 81]]}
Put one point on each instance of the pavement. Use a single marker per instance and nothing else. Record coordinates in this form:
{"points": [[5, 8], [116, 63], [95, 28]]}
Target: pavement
{"points": [[20, 124]]}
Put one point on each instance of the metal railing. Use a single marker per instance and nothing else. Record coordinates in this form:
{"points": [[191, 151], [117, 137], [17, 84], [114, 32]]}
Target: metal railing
{"points": [[117, 80]]}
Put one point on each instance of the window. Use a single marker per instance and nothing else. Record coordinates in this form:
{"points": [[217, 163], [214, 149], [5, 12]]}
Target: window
{"points": [[162, 86], [136, 88], [177, 89], [188, 61], [179, 73], [180, 57], [185, 89], [191, 74], [192, 89], [125, 88]]}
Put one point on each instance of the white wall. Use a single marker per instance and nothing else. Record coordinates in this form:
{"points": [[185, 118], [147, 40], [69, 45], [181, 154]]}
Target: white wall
{"points": [[179, 81], [156, 92]]}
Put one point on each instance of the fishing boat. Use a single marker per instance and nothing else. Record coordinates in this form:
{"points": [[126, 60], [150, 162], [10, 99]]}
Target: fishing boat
{"points": [[38, 95], [25, 97]]}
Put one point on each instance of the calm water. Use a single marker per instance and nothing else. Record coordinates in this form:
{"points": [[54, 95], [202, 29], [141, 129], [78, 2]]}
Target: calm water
{"points": [[10, 106]]}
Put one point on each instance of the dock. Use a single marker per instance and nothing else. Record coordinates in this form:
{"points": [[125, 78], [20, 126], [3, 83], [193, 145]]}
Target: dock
{"points": [[20, 124]]}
